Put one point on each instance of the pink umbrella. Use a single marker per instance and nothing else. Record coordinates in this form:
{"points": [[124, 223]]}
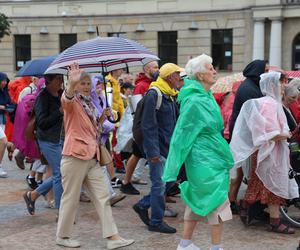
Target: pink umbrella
{"points": [[224, 84]]}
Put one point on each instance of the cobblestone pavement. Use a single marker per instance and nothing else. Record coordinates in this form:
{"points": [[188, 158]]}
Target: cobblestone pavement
{"points": [[20, 231]]}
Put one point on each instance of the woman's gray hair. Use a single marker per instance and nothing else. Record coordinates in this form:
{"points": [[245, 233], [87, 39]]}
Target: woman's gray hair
{"points": [[85, 75], [293, 88], [197, 65]]}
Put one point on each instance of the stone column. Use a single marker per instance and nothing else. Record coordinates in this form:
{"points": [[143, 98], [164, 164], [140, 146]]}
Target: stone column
{"points": [[259, 39], [276, 42]]}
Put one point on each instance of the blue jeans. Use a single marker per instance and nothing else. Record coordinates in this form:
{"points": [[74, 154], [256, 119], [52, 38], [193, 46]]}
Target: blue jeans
{"points": [[52, 153], [156, 198]]}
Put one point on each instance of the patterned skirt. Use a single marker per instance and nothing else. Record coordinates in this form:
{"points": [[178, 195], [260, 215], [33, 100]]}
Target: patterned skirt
{"points": [[256, 190]]}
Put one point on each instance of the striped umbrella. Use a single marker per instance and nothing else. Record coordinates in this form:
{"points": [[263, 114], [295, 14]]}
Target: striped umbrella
{"points": [[293, 74], [102, 54]]}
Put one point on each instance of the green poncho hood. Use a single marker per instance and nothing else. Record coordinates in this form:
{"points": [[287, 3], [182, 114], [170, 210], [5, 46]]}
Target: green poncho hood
{"points": [[197, 142]]}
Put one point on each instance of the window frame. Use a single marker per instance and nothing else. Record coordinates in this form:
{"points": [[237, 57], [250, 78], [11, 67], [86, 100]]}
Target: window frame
{"points": [[61, 47], [170, 57], [220, 62], [22, 58], [296, 42]]}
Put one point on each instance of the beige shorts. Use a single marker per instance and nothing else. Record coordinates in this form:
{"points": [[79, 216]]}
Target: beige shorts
{"points": [[222, 213]]}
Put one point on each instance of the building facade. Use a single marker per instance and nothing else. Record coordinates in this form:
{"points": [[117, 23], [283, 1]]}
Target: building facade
{"points": [[232, 32]]}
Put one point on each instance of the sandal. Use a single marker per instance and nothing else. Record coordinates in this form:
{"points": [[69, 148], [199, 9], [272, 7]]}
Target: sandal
{"points": [[10, 155], [280, 228], [29, 202], [10, 152]]}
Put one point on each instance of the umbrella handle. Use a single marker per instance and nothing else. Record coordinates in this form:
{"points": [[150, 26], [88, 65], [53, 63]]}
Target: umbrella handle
{"points": [[114, 121]]}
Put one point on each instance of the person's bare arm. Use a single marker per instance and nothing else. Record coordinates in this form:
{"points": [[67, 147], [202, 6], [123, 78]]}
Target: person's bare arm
{"points": [[281, 137]]}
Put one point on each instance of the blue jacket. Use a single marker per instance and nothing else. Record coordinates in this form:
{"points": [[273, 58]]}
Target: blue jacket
{"points": [[4, 100], [157, 125]]}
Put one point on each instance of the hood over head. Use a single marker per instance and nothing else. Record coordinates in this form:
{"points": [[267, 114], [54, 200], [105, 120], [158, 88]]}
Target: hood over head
{"points": [[270, 85], [254, 69]]}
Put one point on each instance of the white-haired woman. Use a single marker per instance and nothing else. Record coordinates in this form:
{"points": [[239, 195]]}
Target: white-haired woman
{"points": [[197, 142], [79, 164], [260, 132], [290, 97]]}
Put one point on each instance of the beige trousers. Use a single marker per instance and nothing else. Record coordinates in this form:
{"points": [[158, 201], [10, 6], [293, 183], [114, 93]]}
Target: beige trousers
{"points": [[74, 173]]}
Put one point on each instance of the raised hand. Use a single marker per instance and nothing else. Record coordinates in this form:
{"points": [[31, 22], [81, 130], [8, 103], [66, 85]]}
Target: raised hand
{"points": [[74, 73]]}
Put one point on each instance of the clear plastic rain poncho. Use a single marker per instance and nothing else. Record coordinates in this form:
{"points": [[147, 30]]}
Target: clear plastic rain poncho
{"points": [[259, 121]]}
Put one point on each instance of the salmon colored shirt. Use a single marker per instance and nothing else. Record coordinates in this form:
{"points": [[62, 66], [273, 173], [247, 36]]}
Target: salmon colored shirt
{"points": [[80, 133]]}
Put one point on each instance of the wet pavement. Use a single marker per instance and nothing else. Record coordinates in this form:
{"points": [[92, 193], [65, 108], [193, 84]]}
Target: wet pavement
{"points": [[19, 230]]}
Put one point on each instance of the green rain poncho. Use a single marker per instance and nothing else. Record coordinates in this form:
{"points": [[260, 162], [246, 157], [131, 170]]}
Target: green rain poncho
{"points": [[197, 142]]}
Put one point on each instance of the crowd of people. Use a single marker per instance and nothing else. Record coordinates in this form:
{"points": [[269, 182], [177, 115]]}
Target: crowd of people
{"points": [[191, 142]]}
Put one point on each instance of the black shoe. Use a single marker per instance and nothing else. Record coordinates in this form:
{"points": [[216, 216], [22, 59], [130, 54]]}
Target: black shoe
{"points": [[120, 170], [173, 190], [235, 208], [31, 182], [143, 214], [129, 189], [162, 228]]}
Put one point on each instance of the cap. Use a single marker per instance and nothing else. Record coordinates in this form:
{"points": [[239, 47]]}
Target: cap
{"points": [[168, 69], [127, 85], [3, 76]]}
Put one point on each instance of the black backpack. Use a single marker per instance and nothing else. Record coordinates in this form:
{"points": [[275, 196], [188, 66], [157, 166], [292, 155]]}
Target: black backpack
{"points": [[137, 120]]}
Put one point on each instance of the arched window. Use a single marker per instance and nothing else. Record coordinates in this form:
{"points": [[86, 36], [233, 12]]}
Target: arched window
{"points": [[296, 53]]}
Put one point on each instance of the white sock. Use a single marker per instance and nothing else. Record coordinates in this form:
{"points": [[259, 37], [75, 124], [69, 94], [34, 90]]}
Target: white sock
{"points": [[185, 243]]}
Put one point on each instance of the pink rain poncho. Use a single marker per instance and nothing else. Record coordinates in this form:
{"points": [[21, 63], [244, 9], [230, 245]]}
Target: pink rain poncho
{"points": [[26, 146], [259, 121]]}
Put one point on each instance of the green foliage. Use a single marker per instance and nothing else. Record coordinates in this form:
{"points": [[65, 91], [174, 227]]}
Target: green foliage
{"points": [[4, 25]]}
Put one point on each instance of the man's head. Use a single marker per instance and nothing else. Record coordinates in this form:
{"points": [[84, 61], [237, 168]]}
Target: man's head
{"points": [[151, 70], [127, 78], [54, 82], [116, 73], [127, 88], [170, 72], [3, 79]]}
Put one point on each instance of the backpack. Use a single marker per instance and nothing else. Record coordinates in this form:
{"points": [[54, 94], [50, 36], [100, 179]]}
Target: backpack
{"points": [[137, 120], [24, 127]]}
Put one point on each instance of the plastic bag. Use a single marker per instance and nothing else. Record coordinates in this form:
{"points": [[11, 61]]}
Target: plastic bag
{"points": [[124, 132]]}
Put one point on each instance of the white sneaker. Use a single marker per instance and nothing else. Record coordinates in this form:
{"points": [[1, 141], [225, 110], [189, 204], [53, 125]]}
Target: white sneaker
{"points": [[3, 174], [113, 244], [67, 242], [189, 247], [50, 204]]}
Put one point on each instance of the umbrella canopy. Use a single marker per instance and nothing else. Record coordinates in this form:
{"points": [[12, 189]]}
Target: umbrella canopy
{"points": [[293, 74], [224, 84], [36, 67], [102, 54]]}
